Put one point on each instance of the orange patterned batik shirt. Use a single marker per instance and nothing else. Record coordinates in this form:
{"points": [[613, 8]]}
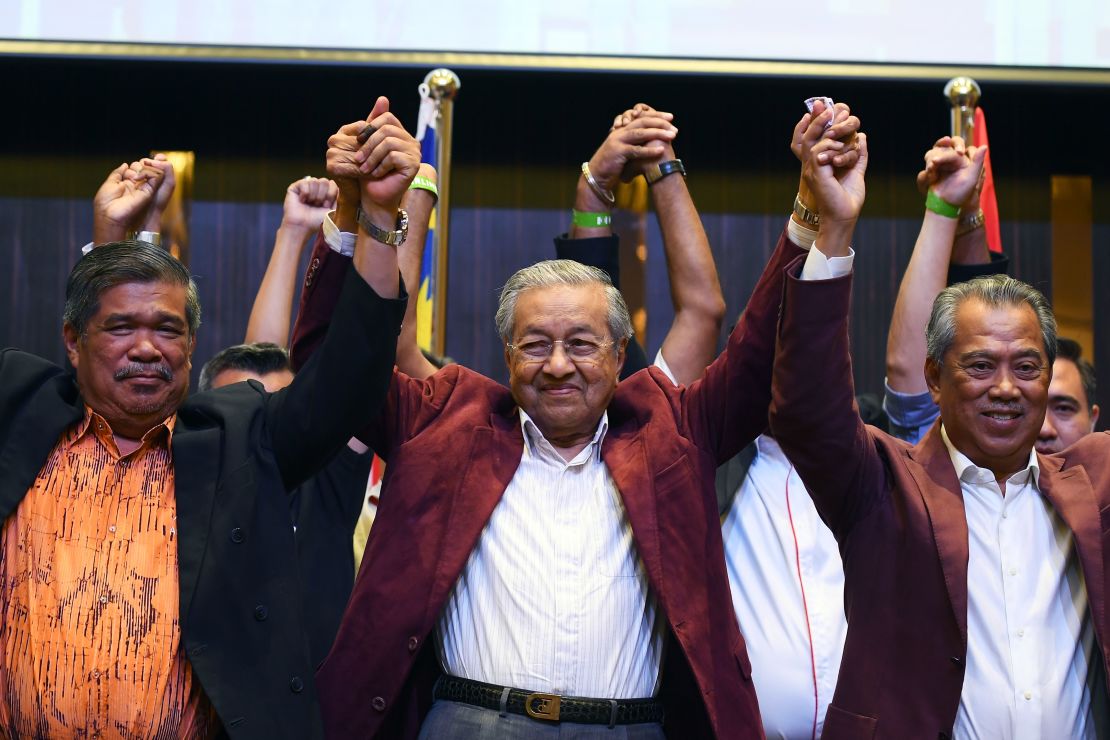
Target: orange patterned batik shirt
{"points": [[90, 639]]}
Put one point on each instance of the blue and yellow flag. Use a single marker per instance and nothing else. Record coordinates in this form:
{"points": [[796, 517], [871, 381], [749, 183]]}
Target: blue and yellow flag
{"points": [[425, 300]]}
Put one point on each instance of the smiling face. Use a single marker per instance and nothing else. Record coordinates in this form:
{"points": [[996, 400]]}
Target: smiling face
{"points": [[993, 384], [133, 361], [1069, 416], [565, 397]]}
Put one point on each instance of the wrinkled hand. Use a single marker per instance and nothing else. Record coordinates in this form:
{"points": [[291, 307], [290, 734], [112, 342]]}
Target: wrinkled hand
{"points": [[121, 202], [342, 166], [639, 137], [838, 191], [954, 171], [388, 159], [308, 201]]}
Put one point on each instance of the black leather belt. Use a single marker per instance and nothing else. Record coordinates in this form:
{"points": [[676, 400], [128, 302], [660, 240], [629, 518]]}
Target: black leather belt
{"points": [[549, 707]]}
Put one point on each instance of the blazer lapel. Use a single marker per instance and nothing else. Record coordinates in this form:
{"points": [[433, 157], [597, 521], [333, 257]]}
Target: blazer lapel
{"points": [[54, 406], [624, 455], [1072, 496], [494, 456], [196, 460], [931, 468]]}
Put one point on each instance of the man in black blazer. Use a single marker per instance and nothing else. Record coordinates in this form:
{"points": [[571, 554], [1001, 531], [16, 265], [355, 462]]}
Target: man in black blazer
{"points": [[131, 317]]}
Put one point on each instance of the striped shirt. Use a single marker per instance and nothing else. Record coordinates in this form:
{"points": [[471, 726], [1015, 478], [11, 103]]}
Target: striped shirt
{"points": [[554, 597], [90, 640]]}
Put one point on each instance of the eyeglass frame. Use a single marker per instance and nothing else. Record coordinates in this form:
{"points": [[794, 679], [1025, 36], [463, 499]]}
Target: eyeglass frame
{"points": [[593, 357]]}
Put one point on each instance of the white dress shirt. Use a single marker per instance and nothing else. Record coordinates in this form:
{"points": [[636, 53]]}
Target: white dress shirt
{"points": [[787, 584], [554, 597], [1030, 640]]}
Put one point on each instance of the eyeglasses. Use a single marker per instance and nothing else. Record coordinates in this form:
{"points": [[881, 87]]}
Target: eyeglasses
{"points": [[538, 350]]}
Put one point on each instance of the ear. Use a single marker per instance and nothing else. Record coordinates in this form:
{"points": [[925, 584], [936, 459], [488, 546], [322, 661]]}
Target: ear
{"points": [[622, 354], [932, 378], [72, 339], [508, 357], [1094, 416]]}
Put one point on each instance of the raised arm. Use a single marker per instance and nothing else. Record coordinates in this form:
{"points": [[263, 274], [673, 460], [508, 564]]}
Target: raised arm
{"points": [[418, 203], [307, 202], [813, 414], [346, 380], [952, 173], [699, 307]]}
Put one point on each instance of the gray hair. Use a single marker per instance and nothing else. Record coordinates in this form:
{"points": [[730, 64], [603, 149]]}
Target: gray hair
{"points": [[993, 290], [561, 272], [119, 263]]}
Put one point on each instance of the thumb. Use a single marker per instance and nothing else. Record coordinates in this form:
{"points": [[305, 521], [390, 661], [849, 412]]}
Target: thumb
{"points": [[979, 155], [381, 106], [116, 175]]}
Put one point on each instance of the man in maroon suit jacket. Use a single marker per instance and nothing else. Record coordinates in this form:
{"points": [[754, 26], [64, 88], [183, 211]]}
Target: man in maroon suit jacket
{"points": [[929, 558], [453, 444]]}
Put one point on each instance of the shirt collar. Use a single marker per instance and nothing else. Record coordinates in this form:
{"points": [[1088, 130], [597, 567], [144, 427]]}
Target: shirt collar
{"points": [[535, 441], [94, 423], [966, 470]]}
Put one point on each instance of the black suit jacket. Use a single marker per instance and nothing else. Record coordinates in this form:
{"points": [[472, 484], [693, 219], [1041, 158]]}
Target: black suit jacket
{"points": [[237, 452]]}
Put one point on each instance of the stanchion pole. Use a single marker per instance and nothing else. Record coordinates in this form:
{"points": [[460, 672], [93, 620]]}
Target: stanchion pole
{"points": [[442, 84]]}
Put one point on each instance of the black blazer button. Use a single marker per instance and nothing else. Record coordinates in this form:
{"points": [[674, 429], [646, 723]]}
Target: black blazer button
{"points": [[261, 612], [237, 536], [414, 642], [296, 685], [957, 660], [378, 703]]}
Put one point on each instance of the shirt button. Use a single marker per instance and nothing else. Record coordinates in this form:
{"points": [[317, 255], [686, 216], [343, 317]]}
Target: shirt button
{"points": [[103, 599], [1013, 571], [378, 703], [1021, 633], [1028, 695], [112, 528], [296, 685], [1005, 515], [260, 613], [123, 463], [237, 536]]}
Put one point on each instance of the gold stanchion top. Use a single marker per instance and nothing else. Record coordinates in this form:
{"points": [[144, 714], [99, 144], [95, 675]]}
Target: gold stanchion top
{"points": [[442, 83], [962, 92]]}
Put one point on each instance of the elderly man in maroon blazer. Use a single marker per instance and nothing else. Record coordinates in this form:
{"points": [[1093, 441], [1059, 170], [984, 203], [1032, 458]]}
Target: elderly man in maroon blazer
{"points": [[975, 568], [558, 538]]}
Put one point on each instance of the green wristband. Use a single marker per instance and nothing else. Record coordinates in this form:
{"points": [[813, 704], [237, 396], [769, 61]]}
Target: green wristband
{"points": [[940, 206], [589, 220], [423, 183]]}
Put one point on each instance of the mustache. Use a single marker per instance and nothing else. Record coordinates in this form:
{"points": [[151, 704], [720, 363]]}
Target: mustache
{"points": [[137, 369]]}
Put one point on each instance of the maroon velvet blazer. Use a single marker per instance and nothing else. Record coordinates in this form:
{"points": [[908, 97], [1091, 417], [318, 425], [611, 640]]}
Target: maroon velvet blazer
{"points": [[453, 443], [897, 512]]}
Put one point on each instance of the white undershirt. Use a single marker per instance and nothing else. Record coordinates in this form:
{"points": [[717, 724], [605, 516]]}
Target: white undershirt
{"points": [[554, 597], [1030, 639], [761, 533]]}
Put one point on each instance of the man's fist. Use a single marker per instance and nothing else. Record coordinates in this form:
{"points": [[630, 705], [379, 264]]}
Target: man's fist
{"points": [[954, 171], [308, 201], [120, 204]]}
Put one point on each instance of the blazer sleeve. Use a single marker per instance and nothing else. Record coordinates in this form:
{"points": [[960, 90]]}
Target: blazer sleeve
{"points": [[341, 386], [813, 413], [319, 295], [727, 407]]}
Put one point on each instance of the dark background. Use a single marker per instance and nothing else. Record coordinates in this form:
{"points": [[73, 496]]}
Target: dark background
{"points": [[519, 138]]}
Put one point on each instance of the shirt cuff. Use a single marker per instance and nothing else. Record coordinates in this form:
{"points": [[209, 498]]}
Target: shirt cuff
{"points": [[662, 365], [339, 241], [820, 267], [87, 248], [801, 235], [910, 414]]}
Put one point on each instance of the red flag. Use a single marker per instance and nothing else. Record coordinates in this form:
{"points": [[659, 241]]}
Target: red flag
{"points": [[987, 200]]}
